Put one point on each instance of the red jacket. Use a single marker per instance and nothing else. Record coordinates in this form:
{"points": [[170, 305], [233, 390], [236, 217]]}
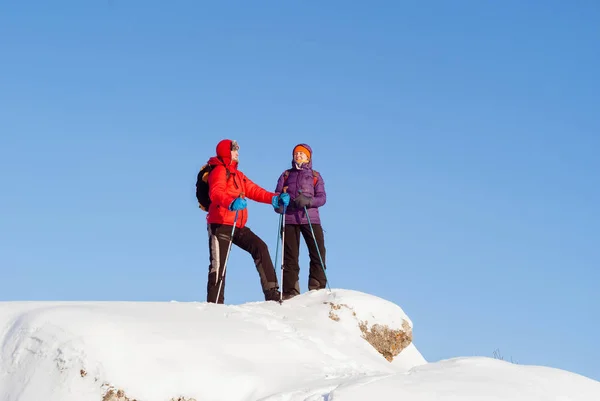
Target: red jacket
{"points": [[223, 191]]}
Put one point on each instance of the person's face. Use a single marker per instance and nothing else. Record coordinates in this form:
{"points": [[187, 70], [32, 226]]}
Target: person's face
{"points": [[235, 151], [300, 157]]}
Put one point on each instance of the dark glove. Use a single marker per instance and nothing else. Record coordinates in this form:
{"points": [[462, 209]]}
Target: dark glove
{"points": [[283, 198], [238, 204], [302, 201]]}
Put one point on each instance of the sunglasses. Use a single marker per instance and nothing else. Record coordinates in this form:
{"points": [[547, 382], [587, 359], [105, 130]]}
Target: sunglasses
{"points": [[234, 145]]}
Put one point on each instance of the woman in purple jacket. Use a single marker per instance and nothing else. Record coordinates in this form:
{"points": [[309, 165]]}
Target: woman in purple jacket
{"points": [[307, 193]]}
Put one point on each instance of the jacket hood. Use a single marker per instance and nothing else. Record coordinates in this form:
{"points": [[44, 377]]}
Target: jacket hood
{"points": [[223, 156], [217, 161]]}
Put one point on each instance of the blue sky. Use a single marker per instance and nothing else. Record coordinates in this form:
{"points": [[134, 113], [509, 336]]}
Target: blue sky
{"points": [[458, 142]]}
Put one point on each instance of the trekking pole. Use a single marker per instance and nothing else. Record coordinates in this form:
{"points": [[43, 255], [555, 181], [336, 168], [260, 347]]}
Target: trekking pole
{"points": [[317, 246], [278, 236], [282, 250], [226, 257], [277, 247]]}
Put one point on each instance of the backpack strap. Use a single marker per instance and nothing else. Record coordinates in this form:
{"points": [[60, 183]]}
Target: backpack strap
{"points": [[286, 173], [315, 177]]}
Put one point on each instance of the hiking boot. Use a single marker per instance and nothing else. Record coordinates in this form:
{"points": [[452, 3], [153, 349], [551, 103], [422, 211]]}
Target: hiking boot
{"points": [[287, 295], [272, 294]]}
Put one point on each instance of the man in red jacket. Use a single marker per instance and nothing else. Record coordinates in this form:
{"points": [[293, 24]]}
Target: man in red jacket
{"points": [[228, 190]]}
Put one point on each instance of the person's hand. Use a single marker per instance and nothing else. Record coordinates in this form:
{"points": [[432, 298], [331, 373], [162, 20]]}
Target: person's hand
{"points": [[283, 198], [302, 201], [238, 204]]}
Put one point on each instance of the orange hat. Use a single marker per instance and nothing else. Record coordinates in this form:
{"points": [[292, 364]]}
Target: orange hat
{"points": [[300, 148]]}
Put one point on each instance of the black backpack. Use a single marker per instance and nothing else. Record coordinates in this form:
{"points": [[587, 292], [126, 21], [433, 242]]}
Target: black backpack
{"points": [[202, 186]]}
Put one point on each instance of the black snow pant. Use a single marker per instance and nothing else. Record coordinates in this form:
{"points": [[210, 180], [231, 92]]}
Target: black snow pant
{"points": [[219, 236], [291, 269]]}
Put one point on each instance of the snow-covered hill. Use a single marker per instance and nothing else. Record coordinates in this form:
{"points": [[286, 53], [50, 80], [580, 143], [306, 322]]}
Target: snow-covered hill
{"points": [[344, 345]]}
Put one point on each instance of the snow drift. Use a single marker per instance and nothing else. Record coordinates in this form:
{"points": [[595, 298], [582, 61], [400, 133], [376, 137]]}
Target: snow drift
{"points": [[340, 345]]}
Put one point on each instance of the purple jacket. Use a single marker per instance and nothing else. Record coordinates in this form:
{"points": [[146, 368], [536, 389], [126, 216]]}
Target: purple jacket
{"points": [[300, 179]]}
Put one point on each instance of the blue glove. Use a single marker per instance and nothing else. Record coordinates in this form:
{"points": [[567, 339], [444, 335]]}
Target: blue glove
{"points": [[238, 204], [282, 198]]}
